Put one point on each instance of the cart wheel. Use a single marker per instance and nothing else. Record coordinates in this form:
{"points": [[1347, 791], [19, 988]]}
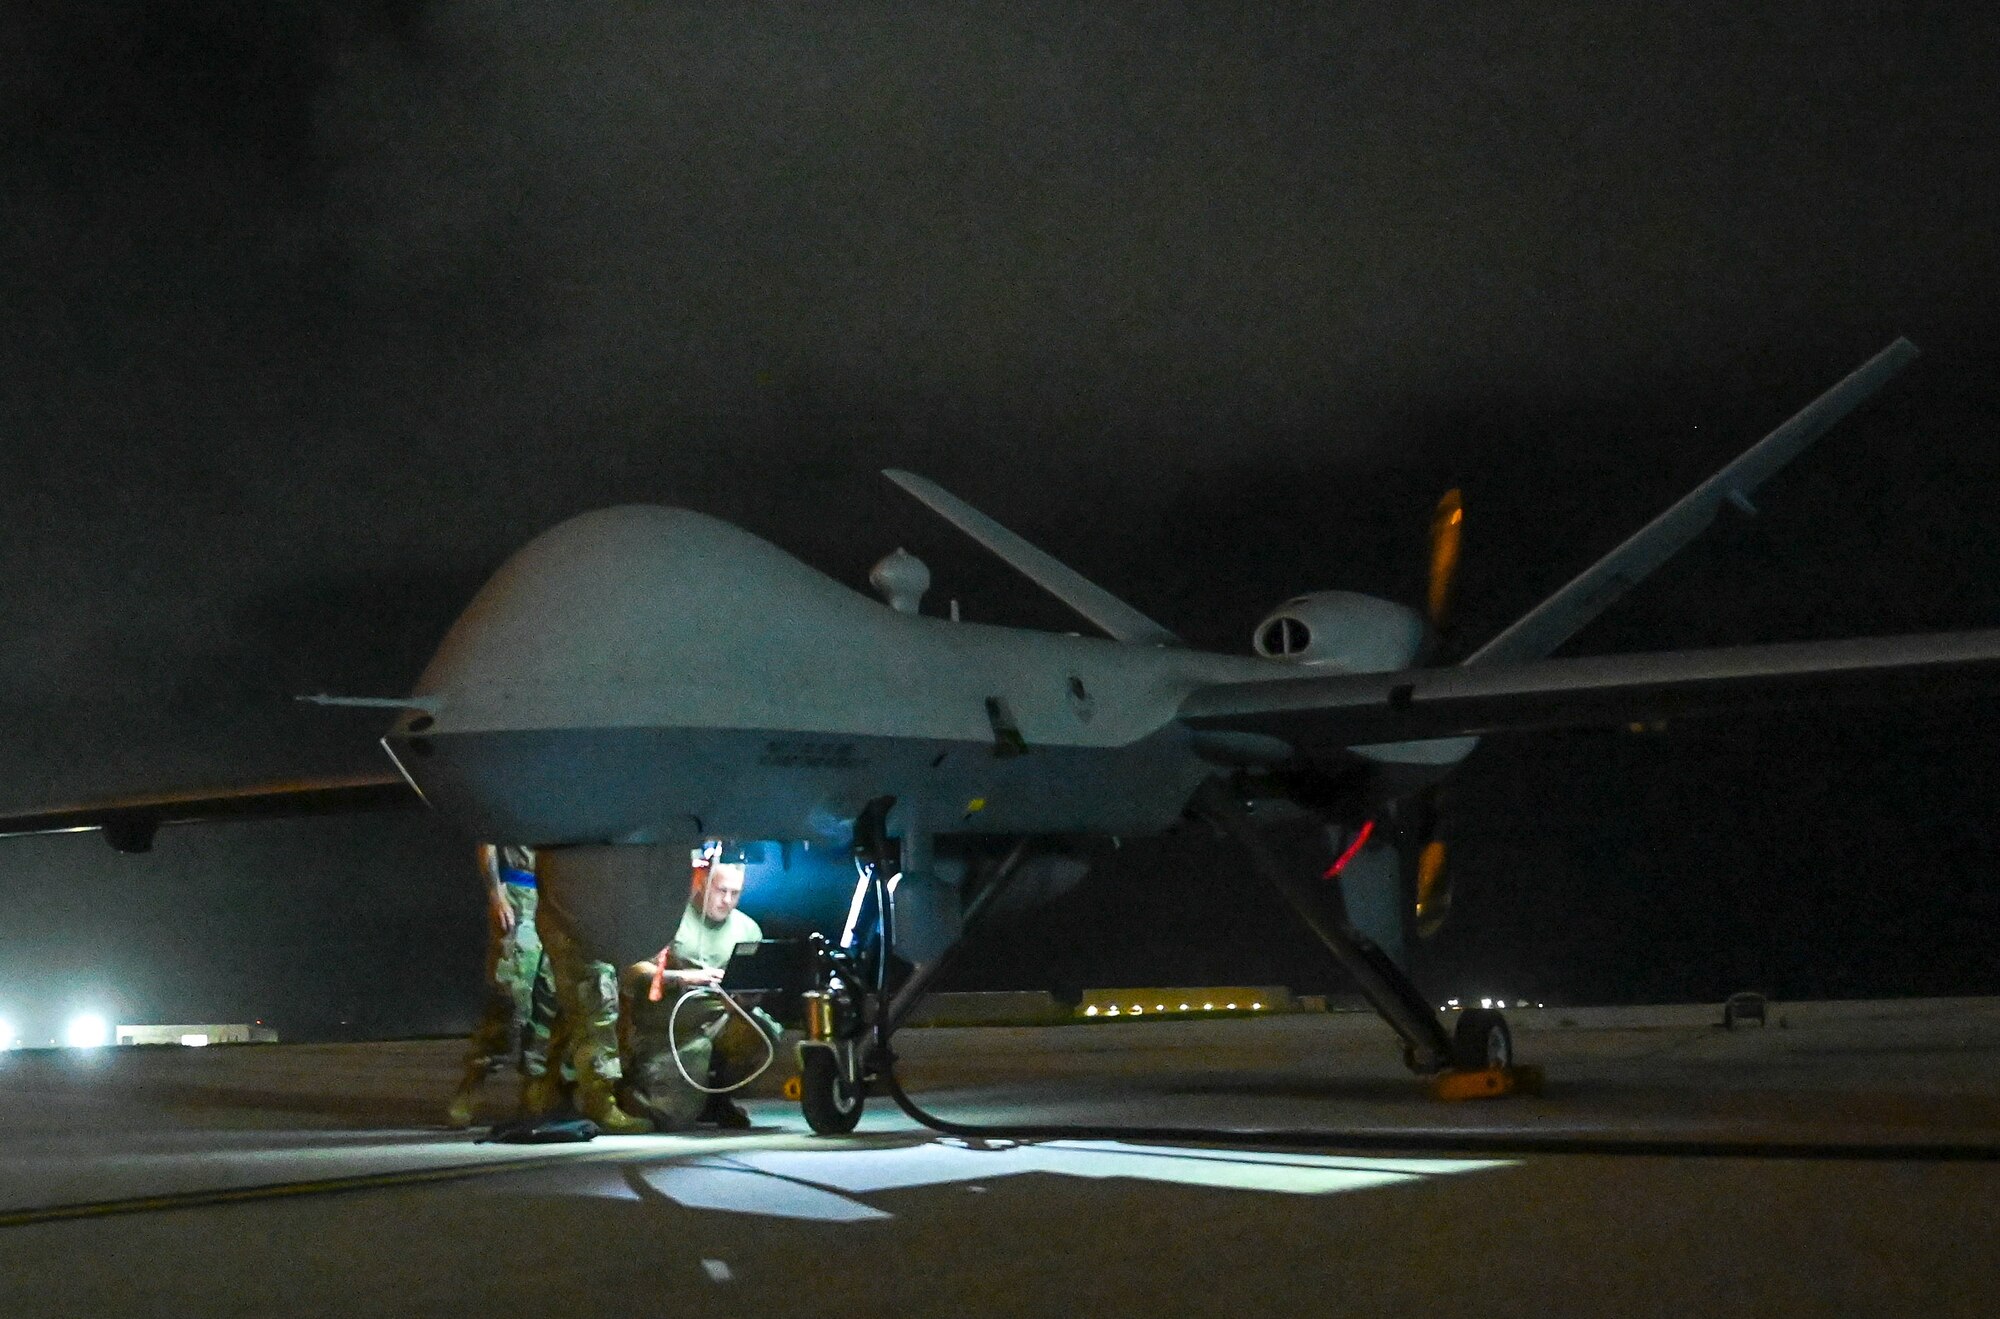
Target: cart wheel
{"points": [[832, 1103], [1482, 1041]]}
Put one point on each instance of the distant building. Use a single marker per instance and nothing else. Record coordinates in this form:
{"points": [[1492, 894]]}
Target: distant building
{"points": [[235, 1033]]}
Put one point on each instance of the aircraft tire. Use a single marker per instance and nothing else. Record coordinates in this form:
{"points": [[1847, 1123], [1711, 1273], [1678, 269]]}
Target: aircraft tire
{"points": [[1481, 1041], [831, 1104]]}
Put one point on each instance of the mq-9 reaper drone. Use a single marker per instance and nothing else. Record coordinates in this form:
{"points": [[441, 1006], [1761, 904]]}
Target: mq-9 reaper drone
{"points": [[572, 707]]}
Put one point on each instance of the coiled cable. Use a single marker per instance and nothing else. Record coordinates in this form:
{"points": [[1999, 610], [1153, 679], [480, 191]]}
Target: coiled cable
{"points": [[673, 1038]]}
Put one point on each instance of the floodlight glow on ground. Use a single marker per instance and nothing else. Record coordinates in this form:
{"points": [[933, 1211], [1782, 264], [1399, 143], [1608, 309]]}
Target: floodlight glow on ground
{"points": [[825, 1185], [6, 1034], [87, 1030]]}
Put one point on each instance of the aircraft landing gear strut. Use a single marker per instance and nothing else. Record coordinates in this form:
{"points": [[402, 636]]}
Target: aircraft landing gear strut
{"points": [[850, 1011], [1482, 1042]]}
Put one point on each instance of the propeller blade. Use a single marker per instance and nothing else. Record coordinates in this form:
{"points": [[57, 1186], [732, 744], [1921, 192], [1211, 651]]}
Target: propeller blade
{"points": [[1433, 889], [1445, 526]]}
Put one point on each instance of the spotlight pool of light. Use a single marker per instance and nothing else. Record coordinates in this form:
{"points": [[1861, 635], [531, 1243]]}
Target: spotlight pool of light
{"points": [[87, 1030], [6, 1033]]}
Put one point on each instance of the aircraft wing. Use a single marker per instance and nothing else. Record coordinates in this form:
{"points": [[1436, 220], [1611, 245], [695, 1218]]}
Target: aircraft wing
{"points": [[1118, 619], [1555, 620], [1322, 712], [129, 823]]}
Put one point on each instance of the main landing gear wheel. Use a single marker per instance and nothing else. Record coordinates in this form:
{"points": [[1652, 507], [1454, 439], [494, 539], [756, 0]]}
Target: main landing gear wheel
{"points": [[1482, 1041], [831, 1102]]}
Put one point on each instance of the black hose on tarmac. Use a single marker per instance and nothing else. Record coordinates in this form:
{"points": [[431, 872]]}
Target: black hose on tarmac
{"points": [[1455, 1142], [1433, 1141]]}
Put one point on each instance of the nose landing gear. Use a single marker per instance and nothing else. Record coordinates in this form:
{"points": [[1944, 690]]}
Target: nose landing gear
{"points": [[833, 1087], [851, 1010], [831, 1101]]}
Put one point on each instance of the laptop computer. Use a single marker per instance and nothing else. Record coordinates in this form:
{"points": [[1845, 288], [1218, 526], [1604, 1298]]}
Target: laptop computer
{"points": [[769, 966]]}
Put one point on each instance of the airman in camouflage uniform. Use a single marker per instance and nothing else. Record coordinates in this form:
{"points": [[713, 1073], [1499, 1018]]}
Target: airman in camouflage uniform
{"points": [[584, 1050], [520, 993]]}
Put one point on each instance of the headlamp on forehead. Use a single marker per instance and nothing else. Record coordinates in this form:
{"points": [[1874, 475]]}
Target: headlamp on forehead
{"points": [[715, 851]]}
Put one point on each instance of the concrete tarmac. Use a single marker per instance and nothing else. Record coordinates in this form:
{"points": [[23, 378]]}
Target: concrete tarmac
{"points": [[307, 1180]]}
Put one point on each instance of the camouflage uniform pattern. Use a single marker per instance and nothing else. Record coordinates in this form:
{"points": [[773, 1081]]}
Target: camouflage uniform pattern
{"points": [[520, 995], [715, 1045], [585, 1045]]}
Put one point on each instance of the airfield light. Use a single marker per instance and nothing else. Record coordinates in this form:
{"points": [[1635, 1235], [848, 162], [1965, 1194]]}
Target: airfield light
{"points": [[1159, 1007], [1256, 1007], [1136, 1009], [1485, 1002], [1232, 1007], [87, 1030], [1451, 1002], [1111, 1012], [1184, 1007], [1090, 1012], [1208, 1007]]}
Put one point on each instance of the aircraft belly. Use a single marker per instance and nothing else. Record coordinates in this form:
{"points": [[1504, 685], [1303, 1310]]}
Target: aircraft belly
{"points": [[659, 784]]}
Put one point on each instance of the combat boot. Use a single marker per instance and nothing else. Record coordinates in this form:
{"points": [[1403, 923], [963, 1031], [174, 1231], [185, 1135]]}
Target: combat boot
{"points": [[541, 1095], [724, 1112], [595, 1100], [458, 1113]]}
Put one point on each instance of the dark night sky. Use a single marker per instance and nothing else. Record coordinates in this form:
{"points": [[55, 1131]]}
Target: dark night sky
{"points": [[314, 311]]}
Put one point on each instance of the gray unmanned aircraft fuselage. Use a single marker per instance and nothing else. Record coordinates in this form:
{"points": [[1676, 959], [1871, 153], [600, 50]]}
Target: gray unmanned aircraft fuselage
{"points": [[646, 674]]}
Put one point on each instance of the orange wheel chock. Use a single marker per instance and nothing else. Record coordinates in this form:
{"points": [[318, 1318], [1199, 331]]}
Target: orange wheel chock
{"points": [[1487, 1083], [794, 1088]]}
